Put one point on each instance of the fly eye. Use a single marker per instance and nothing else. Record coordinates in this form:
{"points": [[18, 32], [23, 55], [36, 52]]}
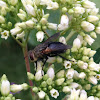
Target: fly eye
{"points": [[31, 56]]}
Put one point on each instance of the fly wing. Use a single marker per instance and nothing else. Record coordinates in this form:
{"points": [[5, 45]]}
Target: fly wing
{"points": [[53, 37]]}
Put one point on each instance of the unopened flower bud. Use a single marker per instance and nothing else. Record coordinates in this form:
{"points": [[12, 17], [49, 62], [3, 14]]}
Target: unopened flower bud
{"points": [[30, 76], [79, 10], [35, 89], [49, 81], [21, 16], [93, 80], [60, 74], [21, 35], [60, 81], [62, 39], [87, 86], [92, 18], [51, 73], [77, 43], [82, 75], [92, 53], [45, 77], [25, 86], [2, 19], [16, 88], [51, 59], [44, 84], [52, 26], [41, 94], [93, 35], [87, 26], [97, 30], [70, 73], [38, 75], [64, 10], [29, 24], [66, 89], [40, 36], [59, 59], [43, 21]]}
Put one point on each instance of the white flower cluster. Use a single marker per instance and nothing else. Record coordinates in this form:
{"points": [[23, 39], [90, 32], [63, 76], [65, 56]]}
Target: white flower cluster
{"points": [[6, 88]]}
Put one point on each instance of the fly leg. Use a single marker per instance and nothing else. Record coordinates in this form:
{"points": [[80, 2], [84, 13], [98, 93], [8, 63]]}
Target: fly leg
{"points": [[43, 65], [64, 58], [35, 66]]}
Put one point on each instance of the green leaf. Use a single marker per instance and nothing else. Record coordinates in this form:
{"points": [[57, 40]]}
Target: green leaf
{"points": [[97, 56]]}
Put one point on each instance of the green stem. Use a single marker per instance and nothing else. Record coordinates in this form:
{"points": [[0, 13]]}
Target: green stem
{"points": [[17, 41], [46, 33], [70, 35]]}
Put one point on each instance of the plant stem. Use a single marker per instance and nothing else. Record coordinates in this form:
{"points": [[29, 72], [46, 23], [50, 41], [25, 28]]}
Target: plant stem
{"points": [[25, 52], [70, 35], [46, 33]]}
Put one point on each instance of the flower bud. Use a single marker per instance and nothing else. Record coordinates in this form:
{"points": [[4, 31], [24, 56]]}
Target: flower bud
{"points": [[74, 85], [66, 89], [13, 2], [92, 18], [64, 10], [83, 95], [97, 30], [60, 74], [86, 51], [93, 35], [43, 21], [87, 86], [21, 35], [87, 26], [93, 80], [30, 76], [16, 88], [59, 59], [40, 36], [5, 86], [52, 26], [15, 30], [94, 11], [38, 75], [63, 22], [51, 73], [29, 24], [62, 39], [49, 81], [45, 77], [60, 81], [79, 10], [92, 53], [35, 89], [70, 73], [88, 4], [25, 86], [77, 43], [88, 39], [82, 75], [90, 98], [2, 19], [21, 16], [41, 94], [44, 84], [51, 59], [76, 75]]}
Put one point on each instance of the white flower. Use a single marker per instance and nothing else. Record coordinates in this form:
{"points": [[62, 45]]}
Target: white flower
{"points": [[76, 75], [5, 34], [92, 18], [77, 43], [79, 10], [93, 80], [38, 75], [66, 89], [84, 66], [94, 11], [70, 73], [40, 36], [97, 76], [51, 73], [97, 30], [88, 4], [21, 16], [90, 98], [30, 10], [54, 93], [16, 88], [62, 39], [52, 5], [88, 39], [15, 30], [21, 25], [21, 35], [25, 86], [45, 2], [51, 59], [52, 26], [5, 87], [94, 66], [13, 2], [67, 64], [60, 81], [74, 94], [60, 74], [82, 75], [83, 95], [92, 53], [2, 19], [41, 94], [3, 4], [87, 26], [63, 22], [29, 23]]}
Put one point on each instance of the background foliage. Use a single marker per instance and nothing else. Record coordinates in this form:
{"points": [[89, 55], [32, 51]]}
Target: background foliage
{"points": [[12, 60]]}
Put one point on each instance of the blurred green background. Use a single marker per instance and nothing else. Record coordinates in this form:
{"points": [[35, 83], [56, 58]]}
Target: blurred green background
{"points": [[12, 61]]}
